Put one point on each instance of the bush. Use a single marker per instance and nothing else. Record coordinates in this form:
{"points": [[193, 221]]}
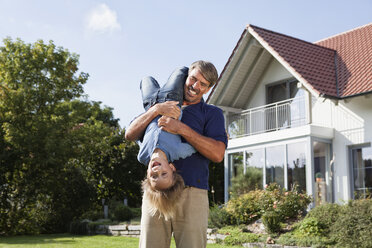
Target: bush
{"points": [[219, 217], [93, 215], [123, 213], [326, 215], [292, 239], [353, 228], [272, 221], [333, 225], [241, 238], [292, 204], [289, 204], [237, 236], [251, 206], [136, 212], [310, 226], [245, 209]]}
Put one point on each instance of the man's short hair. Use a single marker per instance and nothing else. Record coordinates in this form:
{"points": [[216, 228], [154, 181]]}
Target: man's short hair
{"points": [[207, 69]]}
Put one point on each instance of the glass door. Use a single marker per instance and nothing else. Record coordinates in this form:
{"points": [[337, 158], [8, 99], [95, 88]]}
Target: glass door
{"points": [[361, 159], [322, 173]]}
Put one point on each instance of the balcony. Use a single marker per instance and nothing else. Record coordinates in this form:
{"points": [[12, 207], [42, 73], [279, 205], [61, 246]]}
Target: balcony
{"points": [[272, 117]]}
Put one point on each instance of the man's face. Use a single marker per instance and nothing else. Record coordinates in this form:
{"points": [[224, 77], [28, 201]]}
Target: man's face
{"points": [[195, 87], [159, 171]]}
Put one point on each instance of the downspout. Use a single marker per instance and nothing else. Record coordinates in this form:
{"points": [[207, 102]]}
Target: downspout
{"points": [[337, 90]]}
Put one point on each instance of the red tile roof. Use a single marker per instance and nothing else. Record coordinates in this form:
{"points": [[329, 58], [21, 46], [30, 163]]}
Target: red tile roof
{"points": [[354, 60], [339, 66]]}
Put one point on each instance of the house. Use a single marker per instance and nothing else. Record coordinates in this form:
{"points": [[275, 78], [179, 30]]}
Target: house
{"points": [[300, 113]]}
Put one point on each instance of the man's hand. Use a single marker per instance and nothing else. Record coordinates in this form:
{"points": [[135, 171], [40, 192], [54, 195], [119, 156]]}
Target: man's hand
{"points": [[137, 128], [170, 125], [168, 108]]}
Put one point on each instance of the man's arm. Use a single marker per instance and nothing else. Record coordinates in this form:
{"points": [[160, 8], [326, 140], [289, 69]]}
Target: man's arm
{"points": [[212, 149], [138, 126]]}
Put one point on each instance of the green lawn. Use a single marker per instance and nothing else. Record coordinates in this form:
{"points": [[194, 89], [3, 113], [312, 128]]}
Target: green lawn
{"points": [[70, 241]]}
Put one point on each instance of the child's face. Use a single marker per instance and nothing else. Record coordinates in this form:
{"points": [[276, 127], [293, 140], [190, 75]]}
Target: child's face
{"points": [[159, 171]]}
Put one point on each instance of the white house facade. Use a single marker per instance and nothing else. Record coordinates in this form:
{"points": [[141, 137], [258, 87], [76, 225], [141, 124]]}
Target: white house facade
{"points": [[300, 112]]}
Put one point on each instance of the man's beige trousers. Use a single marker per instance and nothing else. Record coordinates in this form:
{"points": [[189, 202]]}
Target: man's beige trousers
{"points": [[189, 226]]}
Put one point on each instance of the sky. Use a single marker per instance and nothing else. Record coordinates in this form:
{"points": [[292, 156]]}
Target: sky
{"points": [[120, 42]]}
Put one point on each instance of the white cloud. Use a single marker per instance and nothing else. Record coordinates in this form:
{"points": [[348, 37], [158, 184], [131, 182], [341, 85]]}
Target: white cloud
{"points": [[102, 19]]}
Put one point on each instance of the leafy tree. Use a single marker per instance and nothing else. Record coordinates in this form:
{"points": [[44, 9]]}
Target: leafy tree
{"points": [[60, 154], [35, 80]]}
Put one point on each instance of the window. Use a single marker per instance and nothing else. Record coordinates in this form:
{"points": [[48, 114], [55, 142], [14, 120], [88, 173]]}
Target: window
{"points": [[236, 165], [296, 167], [275, 159], [255, 163], [361, 163], [277, 92], [285, 113]]}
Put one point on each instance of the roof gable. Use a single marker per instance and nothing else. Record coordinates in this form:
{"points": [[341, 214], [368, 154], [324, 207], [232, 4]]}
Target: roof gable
{"points": [[313, 63], [337, 67]]}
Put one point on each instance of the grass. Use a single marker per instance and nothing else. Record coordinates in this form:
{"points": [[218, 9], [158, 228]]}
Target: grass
{"points": [[71, 241]]}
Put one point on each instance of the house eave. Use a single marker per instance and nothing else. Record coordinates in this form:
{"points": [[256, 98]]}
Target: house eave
{"points": [[281, 135]]}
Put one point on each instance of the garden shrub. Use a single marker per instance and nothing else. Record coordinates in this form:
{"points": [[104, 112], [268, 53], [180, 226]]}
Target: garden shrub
{"points": [[251, 206], [353, 228], [292, 239], [326, 215], [123, 213], [241, 238], [289, 204], [136, 212], [293, 204], [219, 217], [305, 233], [332, 225], [246, 208], [237, 236], [93, 215], [272, 221], [310, 226]]}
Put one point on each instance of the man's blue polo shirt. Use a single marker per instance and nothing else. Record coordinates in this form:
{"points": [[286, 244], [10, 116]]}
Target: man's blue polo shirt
{"points": [[208, 121]]}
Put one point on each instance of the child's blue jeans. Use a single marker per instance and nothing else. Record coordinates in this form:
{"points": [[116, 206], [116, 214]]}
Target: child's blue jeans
{"points": [[172, 90]]}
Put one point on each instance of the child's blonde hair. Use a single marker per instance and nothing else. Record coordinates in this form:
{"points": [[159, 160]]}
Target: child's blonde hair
{"points": [[164, 201]]}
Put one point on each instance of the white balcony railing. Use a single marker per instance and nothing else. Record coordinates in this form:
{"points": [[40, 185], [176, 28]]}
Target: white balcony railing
{"points": [[276, 116]]}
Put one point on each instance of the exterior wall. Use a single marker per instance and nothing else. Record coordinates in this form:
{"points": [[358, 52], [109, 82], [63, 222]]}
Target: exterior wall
{"points": [[276, 72], [352, 122]]}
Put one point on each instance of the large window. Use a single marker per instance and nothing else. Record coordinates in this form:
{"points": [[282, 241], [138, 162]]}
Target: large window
{"points": [[236, 165], [255, 162], [275, 159], [322, 173], [285, 113], [362, 171], [281, 91], [282, 164], [296, 164]]}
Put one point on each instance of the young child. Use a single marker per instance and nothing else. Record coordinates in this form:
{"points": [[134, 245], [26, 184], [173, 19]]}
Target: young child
{"points": [[158, 148]]}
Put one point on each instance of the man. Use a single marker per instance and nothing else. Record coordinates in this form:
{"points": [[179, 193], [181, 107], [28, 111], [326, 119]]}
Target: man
{"points": [[202, 126]]}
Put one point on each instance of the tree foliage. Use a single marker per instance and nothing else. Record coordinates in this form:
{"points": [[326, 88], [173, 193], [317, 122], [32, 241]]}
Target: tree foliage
{"points": [[59, 153]]}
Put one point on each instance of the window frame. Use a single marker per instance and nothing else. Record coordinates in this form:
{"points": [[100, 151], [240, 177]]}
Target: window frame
{"points": [[351, 165]]}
